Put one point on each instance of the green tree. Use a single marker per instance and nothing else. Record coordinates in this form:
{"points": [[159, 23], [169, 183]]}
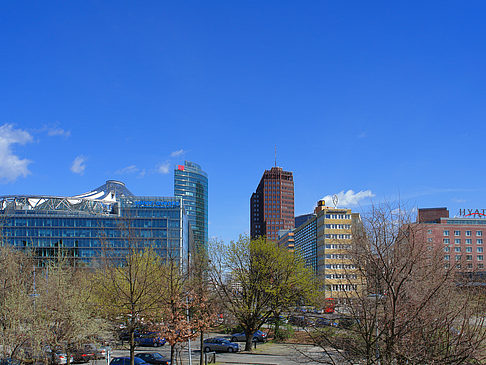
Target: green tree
{"points": [[256, 279], [129, 290]]}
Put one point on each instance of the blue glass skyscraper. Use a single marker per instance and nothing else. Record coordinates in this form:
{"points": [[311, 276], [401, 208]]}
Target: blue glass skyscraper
{"points": [[191, 184]]}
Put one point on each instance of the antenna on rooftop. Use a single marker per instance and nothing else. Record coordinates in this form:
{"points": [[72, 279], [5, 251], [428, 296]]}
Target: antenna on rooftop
{"points": [[275, 155], [335, 200]]}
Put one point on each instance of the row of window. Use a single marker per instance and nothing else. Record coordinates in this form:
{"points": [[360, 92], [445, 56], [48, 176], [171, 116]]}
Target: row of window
{"points": [[341, 287], [458, 233], [340, 266], [337, 256], [341, 276], [338, 216], [468, 249], [338, 247], [468, 257], [338, 236], [457, 241], [338, 226]]}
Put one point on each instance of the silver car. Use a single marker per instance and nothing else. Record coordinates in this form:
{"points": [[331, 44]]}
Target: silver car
{"points": [[259, 336], [220, 344]]}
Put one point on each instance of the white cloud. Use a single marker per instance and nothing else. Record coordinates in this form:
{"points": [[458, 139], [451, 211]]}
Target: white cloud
{"points": [[132, 169], [348, 198], [177, 153], [79, 165], [163, 168], [58, 132], [11, 166]]}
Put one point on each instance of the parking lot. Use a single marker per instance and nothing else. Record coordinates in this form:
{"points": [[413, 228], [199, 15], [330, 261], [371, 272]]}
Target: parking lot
{"points": [[268, 353]]}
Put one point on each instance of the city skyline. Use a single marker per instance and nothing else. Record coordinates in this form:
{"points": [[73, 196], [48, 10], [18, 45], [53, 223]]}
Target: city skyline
{"points": [[372, 102]]}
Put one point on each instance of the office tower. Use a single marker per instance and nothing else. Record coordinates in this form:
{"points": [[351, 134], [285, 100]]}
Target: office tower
{"points": [[80, 226], [272, 205], [191, 184]]}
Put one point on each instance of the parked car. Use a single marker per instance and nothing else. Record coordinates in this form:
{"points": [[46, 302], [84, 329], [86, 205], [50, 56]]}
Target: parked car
{"points": [[259, 336], [59, 358], [153, 358], [149, 339], [104, 351], [220, 344], [126, 361], [86, 353], [9, 361], [300, 321], [323, 322]]}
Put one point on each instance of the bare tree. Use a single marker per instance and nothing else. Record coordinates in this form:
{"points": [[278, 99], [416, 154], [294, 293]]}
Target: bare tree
{"points": [[64, 312], [409, 308], [16, 299]]}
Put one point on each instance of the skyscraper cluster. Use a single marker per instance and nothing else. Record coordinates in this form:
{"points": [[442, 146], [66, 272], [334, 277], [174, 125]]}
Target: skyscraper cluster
{"points": [[322, 238]]}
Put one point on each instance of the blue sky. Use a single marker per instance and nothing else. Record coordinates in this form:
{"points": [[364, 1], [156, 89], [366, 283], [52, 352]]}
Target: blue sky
{"points": [[380, 96]]}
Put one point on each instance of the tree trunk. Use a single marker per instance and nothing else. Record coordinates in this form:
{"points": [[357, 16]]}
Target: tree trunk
{"points": [[172, 353], [276, 320], [201, 346], [249, 338], [132, 346]]}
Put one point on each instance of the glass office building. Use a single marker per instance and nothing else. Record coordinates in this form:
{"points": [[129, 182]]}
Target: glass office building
{"points": [[82, 226], [191, 184]]}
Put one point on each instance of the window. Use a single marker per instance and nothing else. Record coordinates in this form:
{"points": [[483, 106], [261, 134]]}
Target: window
{"points": [[469, 266], [457, 249], [468, 233], [429, 239], [429, 231], [457, 241], [479, 249], [468, 241], [479, 241], [447, 241], [457, 233], [446, 249], [446, 233], [479, 233], [469, 257], [480, 258], [458, 257], [447, 257], [480, 266], [468, 249]]}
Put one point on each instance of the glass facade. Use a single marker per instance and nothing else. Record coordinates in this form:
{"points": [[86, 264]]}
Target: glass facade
{"points": [[81, 228], [305, 237], [191, 184]]}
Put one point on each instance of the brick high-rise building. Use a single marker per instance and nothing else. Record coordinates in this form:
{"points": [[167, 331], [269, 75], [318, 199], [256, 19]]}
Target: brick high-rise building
{"points": [[272, 205]]}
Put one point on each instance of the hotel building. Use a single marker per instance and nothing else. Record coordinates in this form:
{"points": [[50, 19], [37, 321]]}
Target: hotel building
{"points": [[461, 239]]}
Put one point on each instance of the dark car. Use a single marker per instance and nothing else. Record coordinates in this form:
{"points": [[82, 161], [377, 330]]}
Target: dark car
{"points": [[153, 358], [149, 339], [220, 344], [9, 361], [86, 353], [259, 336], [126, 361]]}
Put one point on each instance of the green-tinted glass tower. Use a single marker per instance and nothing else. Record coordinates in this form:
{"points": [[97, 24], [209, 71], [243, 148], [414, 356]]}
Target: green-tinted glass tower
{"points": [[191, 184]]}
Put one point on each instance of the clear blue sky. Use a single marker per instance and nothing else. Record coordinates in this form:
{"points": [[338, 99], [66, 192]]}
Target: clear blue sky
{"points": [[380, 96]]}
